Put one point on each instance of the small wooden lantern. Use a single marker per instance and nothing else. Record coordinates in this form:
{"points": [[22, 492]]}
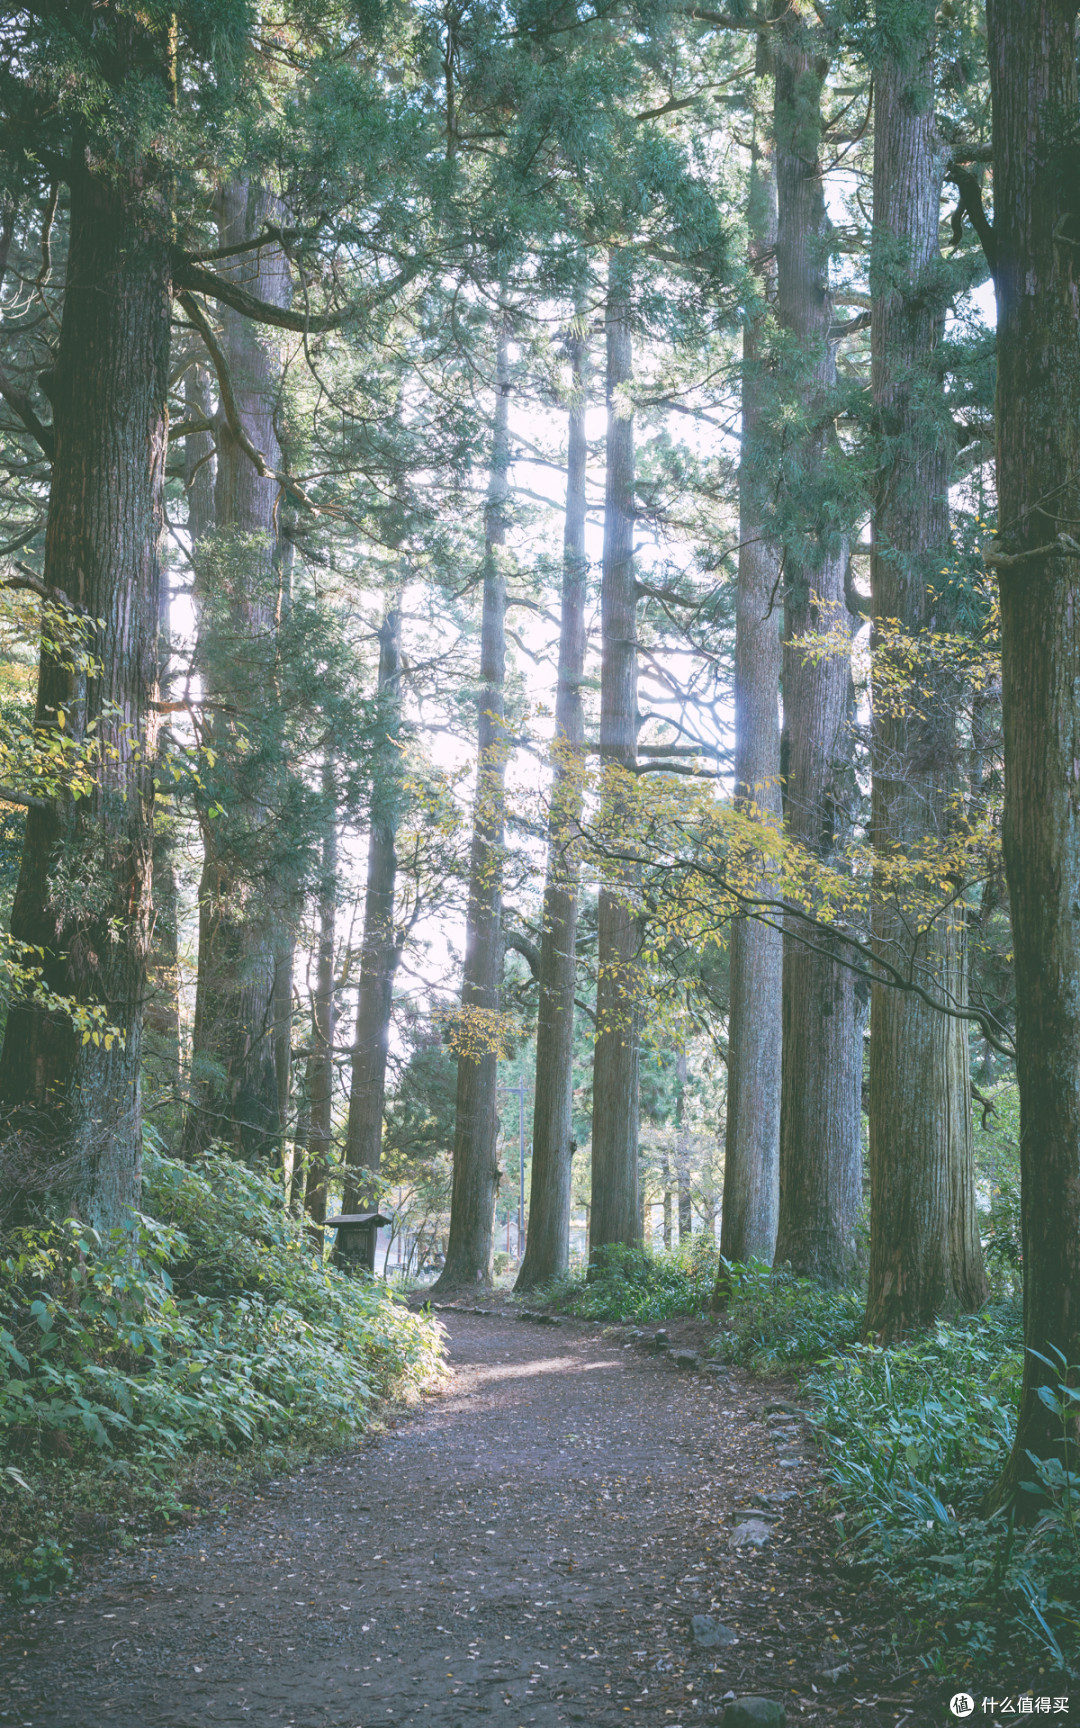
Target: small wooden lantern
{"points": [[356, 1236]]}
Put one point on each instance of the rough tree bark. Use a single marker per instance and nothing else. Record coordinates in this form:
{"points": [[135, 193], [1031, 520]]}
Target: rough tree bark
{"points": [[470, 1245], [820, 1151], [752, 1134], [234, 1078], [380, 948], [320, 1064], [1033, 83], [71, 1107], [547, 1250], [616, 1208], [925, 1253]]}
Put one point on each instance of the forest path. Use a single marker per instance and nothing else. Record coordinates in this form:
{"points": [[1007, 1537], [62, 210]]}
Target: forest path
{"points": [[526, 1550]]}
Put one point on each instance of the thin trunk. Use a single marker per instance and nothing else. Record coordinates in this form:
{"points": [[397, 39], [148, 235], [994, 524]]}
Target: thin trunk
{"points": [[235, 1081], [755, 1013], [161, 1010], [616, 1213], [161, 1019], [320, 1067], [925, 1255], [820, 1147], [380, 950], [71, 1104], [476, 1172], [682, 1152], [547, 1252], [200, 460], [667, 1204], [1033, 83]]}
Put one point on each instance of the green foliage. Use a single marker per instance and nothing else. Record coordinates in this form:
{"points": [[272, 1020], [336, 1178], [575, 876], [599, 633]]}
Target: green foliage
{"points": [[212, 1327], [636, 1284], [775, 1321], [913, 1438]]}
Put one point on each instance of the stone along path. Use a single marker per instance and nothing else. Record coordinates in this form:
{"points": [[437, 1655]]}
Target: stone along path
{"points": [[529, 1549]]}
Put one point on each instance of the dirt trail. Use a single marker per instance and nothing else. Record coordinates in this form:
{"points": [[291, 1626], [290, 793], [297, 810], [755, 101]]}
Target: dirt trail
{"points": [[528, 1549]]}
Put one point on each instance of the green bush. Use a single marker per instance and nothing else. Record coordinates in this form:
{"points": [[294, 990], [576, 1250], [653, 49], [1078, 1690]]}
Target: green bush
{"points": [[207, 1325], [775, 1321], [638, 1284], [913, 1437]]}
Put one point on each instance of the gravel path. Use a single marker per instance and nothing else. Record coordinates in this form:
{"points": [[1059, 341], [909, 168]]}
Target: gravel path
{"points": [[528, 1549]]}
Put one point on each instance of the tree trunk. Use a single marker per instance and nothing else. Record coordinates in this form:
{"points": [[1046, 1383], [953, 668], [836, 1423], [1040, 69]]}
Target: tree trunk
{"points": [[752, 1135], [616, 1212], [1037, 238], [925, 1254], [320, 1067], [161, 1008], [547, 1252], [820, 1149], [682, 1152], [71, 1105], [380, 949], [234, 1074], [476, 1173]]}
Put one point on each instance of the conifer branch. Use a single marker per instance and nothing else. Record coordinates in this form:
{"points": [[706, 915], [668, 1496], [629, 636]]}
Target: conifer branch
{"points": [[971, 205], [21, 405], [230, 407]]}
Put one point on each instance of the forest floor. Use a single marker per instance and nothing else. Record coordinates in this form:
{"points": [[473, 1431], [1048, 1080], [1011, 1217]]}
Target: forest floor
{"points": [[526, 1549]]}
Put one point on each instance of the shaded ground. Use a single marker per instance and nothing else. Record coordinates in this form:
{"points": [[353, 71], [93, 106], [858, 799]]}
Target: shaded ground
{"points": [[526, 1550]]}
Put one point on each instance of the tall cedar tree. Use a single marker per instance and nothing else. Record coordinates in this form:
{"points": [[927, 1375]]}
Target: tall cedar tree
{"points": [[1036, 246], [233, 1070], [615, 1214], [84, 891], [476, 1172], [925, 1254], [752, 1130], [820, 1148], [380, 948], [547, 1248]]}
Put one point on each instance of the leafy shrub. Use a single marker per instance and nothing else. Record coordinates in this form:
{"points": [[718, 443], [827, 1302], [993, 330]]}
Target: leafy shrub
{"points": [[774, 1321], [210, 1327], [913, 1437], [638, 1284]]}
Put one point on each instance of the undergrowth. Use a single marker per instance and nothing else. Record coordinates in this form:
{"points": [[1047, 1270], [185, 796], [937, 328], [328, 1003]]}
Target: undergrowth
{"points": [[638, 1284], [202, 1344], [913, 1437]]}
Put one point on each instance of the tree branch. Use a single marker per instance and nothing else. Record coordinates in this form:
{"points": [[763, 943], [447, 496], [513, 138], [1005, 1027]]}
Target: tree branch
{"points": [[521, 945], [21, 405], [231, 408], [971, 205], [34, 585], [29, 801], [189, 277], [1063, 547]]}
